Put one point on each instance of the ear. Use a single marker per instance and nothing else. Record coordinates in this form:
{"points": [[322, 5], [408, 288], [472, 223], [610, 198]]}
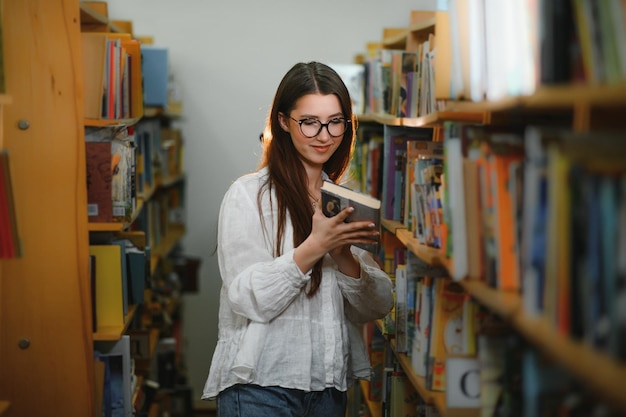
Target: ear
{"points": [[283, 122]]}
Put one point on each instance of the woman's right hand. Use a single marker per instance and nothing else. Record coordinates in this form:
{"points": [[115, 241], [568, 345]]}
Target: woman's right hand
{"points": [[332, 235]]}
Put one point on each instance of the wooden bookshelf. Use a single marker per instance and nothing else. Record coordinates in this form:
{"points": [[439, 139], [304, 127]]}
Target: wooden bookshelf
{"points": [[375, 407], [50, 302], [601, 374], [44, 74], [598, 372], [583, 109]]}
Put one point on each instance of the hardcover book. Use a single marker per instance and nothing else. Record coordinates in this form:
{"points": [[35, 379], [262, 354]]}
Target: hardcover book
{"points": [[336, 198]]}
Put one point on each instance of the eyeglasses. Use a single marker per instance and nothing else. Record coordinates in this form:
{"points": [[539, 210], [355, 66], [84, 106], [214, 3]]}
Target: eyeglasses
{"points": [[313, 127]]}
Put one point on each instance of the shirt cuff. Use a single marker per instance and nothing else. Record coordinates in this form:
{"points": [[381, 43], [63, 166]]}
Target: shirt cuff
{"points": [[294, 270]]}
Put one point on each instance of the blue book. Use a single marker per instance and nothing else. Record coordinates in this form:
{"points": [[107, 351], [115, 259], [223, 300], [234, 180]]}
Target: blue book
{"points": [[155, 75], [117, 398], [122, 243], [136, 260]]}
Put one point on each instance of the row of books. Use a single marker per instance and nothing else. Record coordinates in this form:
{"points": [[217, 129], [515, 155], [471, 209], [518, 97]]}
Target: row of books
{"points": [[402, 167], [111, 159], [133, 366], [460, 349], [162, 215], [127, 163], [380, 164], [486, 49], [542, 212], [389, 384], [112, 76], [160, 154], [401, 83], [120, 271], [125, 391], [121, 76]]}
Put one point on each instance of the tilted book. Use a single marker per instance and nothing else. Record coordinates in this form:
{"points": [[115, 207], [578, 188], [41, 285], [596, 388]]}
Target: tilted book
{"points": [[336, 198]]}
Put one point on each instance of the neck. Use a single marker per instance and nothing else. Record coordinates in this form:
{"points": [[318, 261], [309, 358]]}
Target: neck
{"points": [[315, 178], [315, 183]]}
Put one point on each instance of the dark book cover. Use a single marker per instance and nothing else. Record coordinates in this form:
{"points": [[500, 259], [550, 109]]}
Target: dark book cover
{"points": [[336, 198]]}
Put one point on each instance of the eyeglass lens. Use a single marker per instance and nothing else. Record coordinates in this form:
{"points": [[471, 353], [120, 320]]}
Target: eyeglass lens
{"points": [[311, 127]]}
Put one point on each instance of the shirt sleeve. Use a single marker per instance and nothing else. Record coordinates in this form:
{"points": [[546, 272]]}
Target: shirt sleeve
{"points": [[370, 297], [259, 286]]}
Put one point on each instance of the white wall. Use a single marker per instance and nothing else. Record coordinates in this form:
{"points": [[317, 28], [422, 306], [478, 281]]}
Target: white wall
{"points": [[228, 57]]}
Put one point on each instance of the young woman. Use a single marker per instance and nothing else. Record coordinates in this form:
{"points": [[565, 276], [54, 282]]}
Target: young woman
{"points": [[293, 286]]}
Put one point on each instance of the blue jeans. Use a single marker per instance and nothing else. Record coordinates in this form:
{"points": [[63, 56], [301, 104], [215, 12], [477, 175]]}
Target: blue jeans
{"points": [[256, 401]]}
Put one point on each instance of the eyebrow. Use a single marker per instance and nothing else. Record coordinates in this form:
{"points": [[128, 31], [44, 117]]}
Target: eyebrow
{"points": [[332, 116]]}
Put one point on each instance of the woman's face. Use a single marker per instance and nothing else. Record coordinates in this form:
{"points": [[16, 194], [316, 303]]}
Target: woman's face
{"points": [[309, 110]]}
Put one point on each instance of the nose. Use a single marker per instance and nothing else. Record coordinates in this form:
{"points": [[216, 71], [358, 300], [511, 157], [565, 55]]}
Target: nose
{"points": [[324, 134]]}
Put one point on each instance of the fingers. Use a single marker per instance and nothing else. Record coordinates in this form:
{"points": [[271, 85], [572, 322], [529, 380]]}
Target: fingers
{"points": [[344, 214]]}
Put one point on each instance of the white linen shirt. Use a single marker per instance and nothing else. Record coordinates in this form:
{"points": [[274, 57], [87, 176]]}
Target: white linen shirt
{"points": [[270, 332]]}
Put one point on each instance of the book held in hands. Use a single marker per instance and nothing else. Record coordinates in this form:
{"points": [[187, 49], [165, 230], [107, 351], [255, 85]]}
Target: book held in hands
{"points": [[366, 208]]}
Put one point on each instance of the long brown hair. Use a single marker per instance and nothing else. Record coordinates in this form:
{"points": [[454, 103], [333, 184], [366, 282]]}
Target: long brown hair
{"points": [[287, 175]]}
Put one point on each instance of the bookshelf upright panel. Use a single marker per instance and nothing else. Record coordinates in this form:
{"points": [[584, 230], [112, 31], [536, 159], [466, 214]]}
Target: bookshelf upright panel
{"points": [[46, 347]]}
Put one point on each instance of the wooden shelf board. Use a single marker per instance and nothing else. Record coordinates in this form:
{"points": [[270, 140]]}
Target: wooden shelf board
{"points": [[168, 182], [147, 193], [432, 256], [375, 407], [462, 112], [112, 122], [551, 97], [383, 119], [174, 234], [90, 16], [110, 333], [426, 24], [394, 38], [436, 398], [117, 226], [93, 14], [601, 374], [503, 303], [392, 225], [106, 227], [160, 112]]}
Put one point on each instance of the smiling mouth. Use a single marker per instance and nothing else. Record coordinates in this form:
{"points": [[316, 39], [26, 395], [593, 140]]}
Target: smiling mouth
{"points": [[321, 148]]}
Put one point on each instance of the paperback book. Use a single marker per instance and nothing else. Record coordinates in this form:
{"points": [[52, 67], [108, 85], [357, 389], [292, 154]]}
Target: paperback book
{"points": [[336, 198]]}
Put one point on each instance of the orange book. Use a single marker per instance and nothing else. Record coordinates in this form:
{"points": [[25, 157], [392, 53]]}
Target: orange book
{"points": [[505, 222], [132, 48]]}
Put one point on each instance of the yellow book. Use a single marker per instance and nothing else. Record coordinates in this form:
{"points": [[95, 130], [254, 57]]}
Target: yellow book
{"points": [[109, 292]]}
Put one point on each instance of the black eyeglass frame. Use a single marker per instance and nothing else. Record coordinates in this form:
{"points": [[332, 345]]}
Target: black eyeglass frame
{"points": [[346, 122]]}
